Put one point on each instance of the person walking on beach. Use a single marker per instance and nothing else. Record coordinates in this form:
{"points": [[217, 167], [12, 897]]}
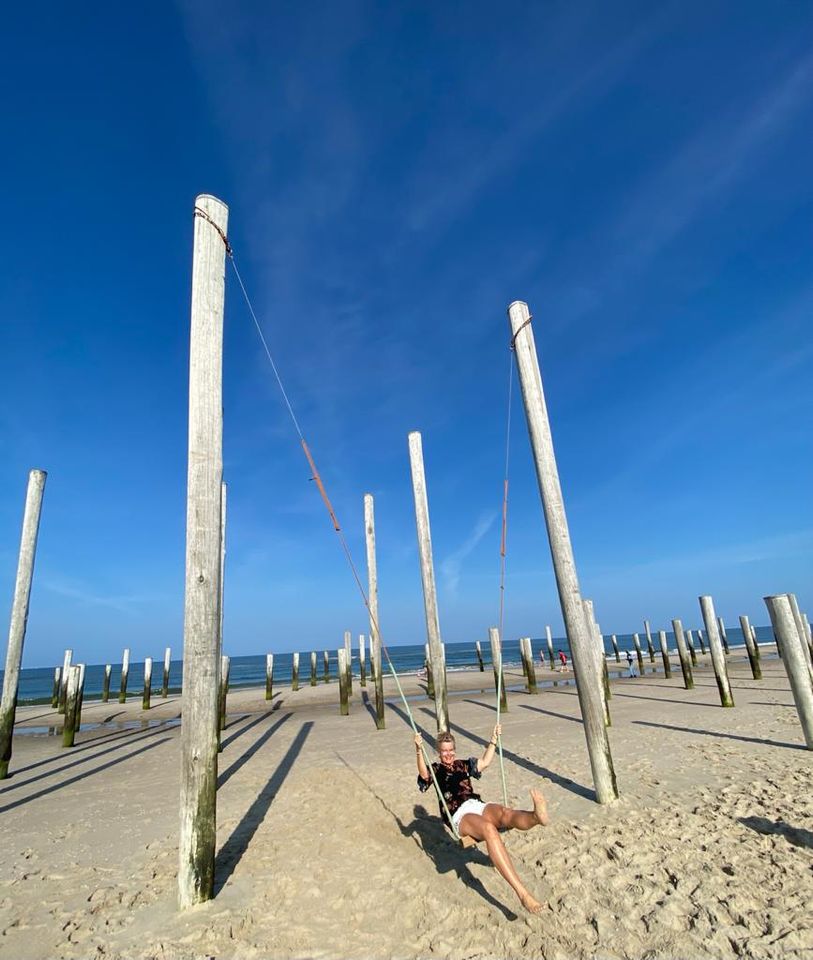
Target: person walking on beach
{"points": [[471, 817], [562, 661], [631, 666]]}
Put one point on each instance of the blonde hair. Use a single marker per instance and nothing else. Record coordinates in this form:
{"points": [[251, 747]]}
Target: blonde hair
{"points": [[446, 737]]}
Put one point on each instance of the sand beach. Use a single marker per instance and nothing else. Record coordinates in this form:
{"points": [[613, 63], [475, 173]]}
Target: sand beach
{"points": [[327, 849]]}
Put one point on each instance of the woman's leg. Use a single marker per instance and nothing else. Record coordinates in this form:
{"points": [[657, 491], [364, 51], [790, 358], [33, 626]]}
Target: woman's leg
{"points": [[507, 818], [483, 828]]}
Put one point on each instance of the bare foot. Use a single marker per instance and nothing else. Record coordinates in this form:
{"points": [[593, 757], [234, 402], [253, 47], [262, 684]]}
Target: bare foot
{"points": [[531, 904], [540, 808]]}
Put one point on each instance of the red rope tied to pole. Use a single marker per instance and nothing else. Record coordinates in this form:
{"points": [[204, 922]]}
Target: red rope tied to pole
{"points": [[321, 486]]}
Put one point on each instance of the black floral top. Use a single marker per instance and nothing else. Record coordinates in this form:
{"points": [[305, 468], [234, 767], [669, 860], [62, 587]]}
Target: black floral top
{"points": [[454, 783]]}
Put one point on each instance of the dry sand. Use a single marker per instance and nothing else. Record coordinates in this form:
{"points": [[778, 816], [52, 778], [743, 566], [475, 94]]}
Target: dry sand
{"points": [[327, 849]]}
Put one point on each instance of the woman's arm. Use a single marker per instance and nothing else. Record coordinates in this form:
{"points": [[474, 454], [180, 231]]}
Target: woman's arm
{"points": [[488, 756], [423, 770]]}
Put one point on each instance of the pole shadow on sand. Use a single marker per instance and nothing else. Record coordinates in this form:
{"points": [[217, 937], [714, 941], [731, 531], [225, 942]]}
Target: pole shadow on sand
{"points": [[798, 836], [243, 759], [233, 849], [725, 736]]}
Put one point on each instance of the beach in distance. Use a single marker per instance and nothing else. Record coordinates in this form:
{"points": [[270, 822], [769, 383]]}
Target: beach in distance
{"points": [[327, 849]]}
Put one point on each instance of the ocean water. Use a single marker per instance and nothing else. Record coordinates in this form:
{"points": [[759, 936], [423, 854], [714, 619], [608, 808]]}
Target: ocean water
{"points": [[36, 684]]}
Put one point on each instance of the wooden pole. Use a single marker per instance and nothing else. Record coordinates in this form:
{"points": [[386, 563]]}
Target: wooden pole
{"points": [[496, 660], [203, 562], [63, 683], [723, 635], [600, 660], [690, 645], [223, 692], [344, 699], [800, 626], [348, 649], [716, 650], [751, 647], [57, 685], [69, 727], [549, 638], [531, 666], [313, 668], [165, 681], [372, 600], [326, 672], [588, 680], [636, 640], [430, 678], [19, 613], [430, 597], [80, 698], [125, 673], [145, 697], [794, 660], [295, 671], [700, 641], [649, 644], [683, 653], [479, 651], [614, 641], [269, 676], [362, 661], [667, 666]]}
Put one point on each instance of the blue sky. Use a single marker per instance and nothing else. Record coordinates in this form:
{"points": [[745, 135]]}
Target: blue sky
{"points": [[397, 174]]}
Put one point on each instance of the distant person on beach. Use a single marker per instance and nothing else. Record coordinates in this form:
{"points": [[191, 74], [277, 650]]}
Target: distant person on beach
{"points": [[562, 661], [473, 818], [631, 666]]}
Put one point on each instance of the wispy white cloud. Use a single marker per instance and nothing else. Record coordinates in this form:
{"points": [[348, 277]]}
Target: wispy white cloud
{"points": [[452, 565], [83, 595]]}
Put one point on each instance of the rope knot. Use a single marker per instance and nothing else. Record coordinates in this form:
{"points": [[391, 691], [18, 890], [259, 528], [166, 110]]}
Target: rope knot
{"points": [[223, 237], [513, 344]]}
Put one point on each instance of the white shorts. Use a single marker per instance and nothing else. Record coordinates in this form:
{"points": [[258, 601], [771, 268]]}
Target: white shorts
{"points": [[470, 806]]}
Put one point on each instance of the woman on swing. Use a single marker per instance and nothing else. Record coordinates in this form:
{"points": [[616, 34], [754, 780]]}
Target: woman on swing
{"points": [[473, 818]]}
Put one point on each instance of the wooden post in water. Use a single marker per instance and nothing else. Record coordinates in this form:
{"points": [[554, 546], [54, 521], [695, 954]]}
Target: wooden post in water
{"points": [[430, 597], [57, 684], [313, 668], [549, 638], [295, 671], [223, 693], [199, 734], [68, 729], [751, 647], [19, 613], [716, 650], [649, 645], [125, 673], [344, 699], [326, 663], [430, 679], [667, 666], [700, 641], [690, 645], [530, 668], [479, 651], [376, 672], [269, 676], [794, 660], [80, 698], [362, 661], [683, 654], [145, 696], [614, 641], [63, 683], [588, 680], [636, 642], [496, 660], [723, 636], [165, 680]]}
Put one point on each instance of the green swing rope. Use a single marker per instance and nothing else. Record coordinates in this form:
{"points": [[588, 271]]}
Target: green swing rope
{"points": [[336, 526]]}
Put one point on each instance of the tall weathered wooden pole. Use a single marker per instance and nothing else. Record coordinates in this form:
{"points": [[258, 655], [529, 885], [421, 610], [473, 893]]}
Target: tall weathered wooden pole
{"points": [[723, 635], [19, 613], [348, 650], [794, 660], [125, 673], [667, 664], [649, 646], [496, 661], [269, 676], [588, 681], [636, 641], [716, 650], [63, 683], [147, 692], [203, 542], [167, 664], [751, 647], [683, 654], [430, 597], [372, 599], [549, 639]]}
